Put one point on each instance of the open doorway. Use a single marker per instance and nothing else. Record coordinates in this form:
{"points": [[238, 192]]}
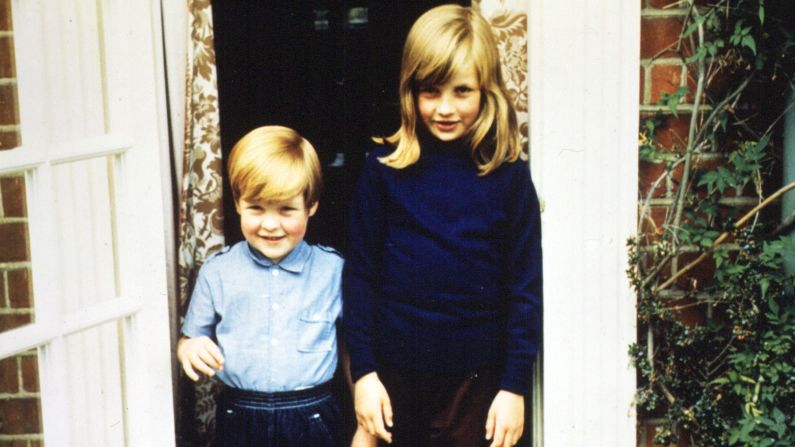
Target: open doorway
{"points": [[328, 69]]}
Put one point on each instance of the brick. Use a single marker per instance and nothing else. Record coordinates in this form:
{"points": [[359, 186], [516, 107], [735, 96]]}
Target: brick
{"points": [[30, 373], [13, 321], [20, 416], [664, 79], [692, 85], [653, 221], [642, 90], [672, 134], [9, 376], [676, 174], [649, 431], [14, 443], [7, 57], [19, 289], [663, 4], [5, 15], [13, 242], [9, 113], [649, 172], [708, 164], [690, 312], [13, 190], [659, 36], [697, 277], [723, 80], [9, 140]]}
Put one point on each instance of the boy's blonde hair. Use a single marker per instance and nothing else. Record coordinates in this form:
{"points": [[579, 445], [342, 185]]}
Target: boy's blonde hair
{"points": [[440, 42], [274, 163]]}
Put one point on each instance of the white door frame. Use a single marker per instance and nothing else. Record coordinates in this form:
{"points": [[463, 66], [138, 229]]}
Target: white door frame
{"points": [[583, 71], [52, 38]]}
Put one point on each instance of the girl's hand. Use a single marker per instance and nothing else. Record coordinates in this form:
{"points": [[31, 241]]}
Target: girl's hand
{"points": [[505, 422], [373, 408], [200, 353], [363, 439]]}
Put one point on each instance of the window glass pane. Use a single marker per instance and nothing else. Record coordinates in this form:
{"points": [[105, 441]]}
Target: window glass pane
{"points": [[16, 291], [85, 232], [9, 109], [20, 406], [78, 99], [93, 379]]}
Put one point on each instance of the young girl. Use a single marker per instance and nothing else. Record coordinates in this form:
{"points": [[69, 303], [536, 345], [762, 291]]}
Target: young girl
{"points": [[442, 285]]}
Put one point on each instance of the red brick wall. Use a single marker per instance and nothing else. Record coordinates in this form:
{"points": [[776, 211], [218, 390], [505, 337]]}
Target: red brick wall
{"points": [[662, 71], [9, 116], [20, 414]]}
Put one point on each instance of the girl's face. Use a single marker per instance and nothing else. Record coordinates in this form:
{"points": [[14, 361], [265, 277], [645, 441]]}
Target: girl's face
{"points": [[450, 109]]}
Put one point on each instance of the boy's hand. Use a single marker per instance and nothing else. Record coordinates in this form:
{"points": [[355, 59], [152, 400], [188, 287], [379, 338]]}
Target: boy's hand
{"points": [[505, 422], [200, 353], [373, 407], [363, 439]]}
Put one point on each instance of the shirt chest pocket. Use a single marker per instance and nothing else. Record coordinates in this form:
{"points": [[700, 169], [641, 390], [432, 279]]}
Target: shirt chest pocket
{"points": [[318, 332]]}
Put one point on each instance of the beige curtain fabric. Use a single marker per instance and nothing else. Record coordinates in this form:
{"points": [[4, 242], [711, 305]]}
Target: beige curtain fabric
{"points": [[201, 209], [508, 19]]}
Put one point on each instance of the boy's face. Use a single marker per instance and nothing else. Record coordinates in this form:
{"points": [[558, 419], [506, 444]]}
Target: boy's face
{"points": [[274, 228]]}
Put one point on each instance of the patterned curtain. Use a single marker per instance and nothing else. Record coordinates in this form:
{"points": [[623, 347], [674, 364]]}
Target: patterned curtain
{"points": [[509, 22], [201, 211]]}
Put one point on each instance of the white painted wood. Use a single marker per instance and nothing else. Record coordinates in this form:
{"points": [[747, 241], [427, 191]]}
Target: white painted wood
{"points": [[21, 159], [176, 37], [146, 337], [91, 89], [40, 333], [584, 58]]}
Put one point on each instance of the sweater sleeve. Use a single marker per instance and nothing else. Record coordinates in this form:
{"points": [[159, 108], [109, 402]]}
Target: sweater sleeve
{"points": [[524, 284], [362, 268]]}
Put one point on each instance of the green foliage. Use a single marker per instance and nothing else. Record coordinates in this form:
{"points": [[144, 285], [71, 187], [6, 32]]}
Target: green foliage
{"points": [[716, 356]]}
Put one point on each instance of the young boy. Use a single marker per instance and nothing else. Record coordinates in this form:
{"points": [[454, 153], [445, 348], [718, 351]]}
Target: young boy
{"points": [[263, 312]]}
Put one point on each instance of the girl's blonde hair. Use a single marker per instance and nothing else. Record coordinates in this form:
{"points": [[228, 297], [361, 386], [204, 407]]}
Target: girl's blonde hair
{"points": [[441, 41], [274, 163]]}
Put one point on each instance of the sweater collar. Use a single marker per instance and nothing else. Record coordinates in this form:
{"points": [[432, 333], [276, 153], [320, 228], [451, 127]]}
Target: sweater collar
{"points": [[429, 144]]}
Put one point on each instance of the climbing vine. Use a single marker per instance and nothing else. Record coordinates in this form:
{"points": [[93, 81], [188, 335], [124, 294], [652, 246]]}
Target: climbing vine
{"points": [[716, 342]]}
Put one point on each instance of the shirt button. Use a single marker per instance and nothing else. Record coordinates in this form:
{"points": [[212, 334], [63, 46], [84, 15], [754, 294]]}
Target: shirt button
{"points": [[274, 342], [276, 306], [275, 272]]}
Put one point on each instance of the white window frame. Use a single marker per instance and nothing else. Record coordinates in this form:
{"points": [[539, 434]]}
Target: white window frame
{"points": [[133, 83], [583, 77]]}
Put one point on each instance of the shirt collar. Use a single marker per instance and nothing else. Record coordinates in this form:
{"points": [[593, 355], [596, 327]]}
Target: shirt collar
{"points": [[293, 262]]}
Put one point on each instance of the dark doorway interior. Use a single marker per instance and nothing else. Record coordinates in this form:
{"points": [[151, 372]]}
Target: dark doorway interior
{"points": [[328, 69]]}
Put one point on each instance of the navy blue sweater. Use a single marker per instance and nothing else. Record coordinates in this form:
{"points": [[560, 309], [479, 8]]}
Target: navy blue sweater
{"points": [[443, 274]]}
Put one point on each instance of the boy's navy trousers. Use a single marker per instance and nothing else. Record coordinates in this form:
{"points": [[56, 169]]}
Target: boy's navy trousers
{"points": [[305, 418]]}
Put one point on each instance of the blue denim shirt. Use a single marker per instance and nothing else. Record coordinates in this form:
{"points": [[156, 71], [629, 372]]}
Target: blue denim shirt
{"points": [[274, 323]]}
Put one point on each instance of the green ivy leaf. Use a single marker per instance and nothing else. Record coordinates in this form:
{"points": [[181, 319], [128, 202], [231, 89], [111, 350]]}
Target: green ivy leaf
{"points": [[749, 41]]}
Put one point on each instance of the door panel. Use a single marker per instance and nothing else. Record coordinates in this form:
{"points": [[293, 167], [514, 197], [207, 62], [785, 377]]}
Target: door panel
{"points": [[90, 88]]}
